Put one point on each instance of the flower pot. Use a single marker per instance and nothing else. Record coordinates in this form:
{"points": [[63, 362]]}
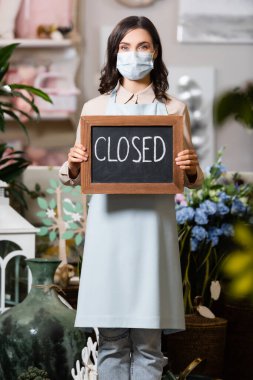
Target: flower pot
{"points": [[203, 338], [71, 294], [39, 332]]}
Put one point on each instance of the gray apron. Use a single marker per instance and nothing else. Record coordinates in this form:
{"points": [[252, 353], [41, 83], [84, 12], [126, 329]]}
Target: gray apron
{"points": [[131, 274]]}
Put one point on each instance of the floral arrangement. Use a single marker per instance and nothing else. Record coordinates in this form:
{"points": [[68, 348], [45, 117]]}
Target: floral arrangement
{"points": [[206, 219], [62, 218]]}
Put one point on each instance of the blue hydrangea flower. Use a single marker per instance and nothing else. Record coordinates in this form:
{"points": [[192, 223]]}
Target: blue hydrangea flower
{"points": [[221, 169], [224, 197], [216, 169], [227, 229], [238, 207], [199, 233], [209, 207], [194, 244], [200, 216], [213, 235], [184, 214], [222, 209]]}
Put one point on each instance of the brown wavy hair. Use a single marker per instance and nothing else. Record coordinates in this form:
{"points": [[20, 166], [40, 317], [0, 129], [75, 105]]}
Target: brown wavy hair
{"points": [[110, 75]]}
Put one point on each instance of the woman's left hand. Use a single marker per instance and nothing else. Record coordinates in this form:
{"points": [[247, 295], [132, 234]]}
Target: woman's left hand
{"points": [[187, 160]]}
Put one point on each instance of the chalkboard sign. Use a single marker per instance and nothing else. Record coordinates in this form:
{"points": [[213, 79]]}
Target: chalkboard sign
{"points": [[132, 154]]}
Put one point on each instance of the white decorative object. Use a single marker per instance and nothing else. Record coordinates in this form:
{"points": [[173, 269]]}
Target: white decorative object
{"points": [[89, 371], [205, 312], [215, 289], [216, 21], [60, 88], [195, 87], [13, 228]]}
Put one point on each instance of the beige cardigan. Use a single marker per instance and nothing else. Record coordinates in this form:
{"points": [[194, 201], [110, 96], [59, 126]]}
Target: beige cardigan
{"points": [[98, 105]]}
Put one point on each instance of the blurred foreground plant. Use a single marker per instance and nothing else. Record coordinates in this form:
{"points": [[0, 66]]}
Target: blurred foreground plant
{"points": [[13, 162], [238, 267]]}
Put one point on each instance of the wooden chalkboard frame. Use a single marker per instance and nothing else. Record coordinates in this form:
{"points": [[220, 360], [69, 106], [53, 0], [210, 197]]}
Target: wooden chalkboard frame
{"points": [[174, 187]]}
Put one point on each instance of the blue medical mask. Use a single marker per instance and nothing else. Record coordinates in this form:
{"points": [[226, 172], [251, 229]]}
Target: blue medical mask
{"points": [[135, 65]]}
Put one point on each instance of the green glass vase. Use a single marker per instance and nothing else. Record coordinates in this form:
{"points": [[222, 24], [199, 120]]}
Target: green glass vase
{"points": [[39, 332]]}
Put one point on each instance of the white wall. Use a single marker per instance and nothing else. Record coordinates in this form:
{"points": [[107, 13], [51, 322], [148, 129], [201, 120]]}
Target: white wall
{"points": [[233, 63]]}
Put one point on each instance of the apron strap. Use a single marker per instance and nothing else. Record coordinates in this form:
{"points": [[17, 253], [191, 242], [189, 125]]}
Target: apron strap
{"points": [[113, 97]]}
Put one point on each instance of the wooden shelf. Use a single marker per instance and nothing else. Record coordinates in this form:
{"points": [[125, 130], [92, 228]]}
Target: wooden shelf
{"points": [[40, 43], [49, 116]]}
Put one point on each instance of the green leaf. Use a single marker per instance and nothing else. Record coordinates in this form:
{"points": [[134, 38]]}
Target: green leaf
{"points": [[43, 231], [52, 235], [73, 225], [20, 123], [67, 189], [79, 207], [52, 203], [50, 191], [66, 218], [41, 214], [14, 108], [42, 203], [78, 239], [54, 184], [3, 70], [47, 222], [32, 90], [6, 52], [2, 121], [26, 99], [3, 146], [14, 169], [78, 188], [68, 206], [68, 235]]}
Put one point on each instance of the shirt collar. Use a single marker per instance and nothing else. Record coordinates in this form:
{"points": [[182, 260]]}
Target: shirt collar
{"points": [[145, 96]]}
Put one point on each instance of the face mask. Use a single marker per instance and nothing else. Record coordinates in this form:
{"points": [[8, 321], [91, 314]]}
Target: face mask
{"points": [[135, 65]]}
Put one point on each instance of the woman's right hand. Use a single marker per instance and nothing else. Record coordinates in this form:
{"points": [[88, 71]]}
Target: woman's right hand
{"points": [[77, 154]]}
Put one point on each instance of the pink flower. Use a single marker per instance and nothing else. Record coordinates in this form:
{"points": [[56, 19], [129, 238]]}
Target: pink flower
{"points": [[180, 200]]}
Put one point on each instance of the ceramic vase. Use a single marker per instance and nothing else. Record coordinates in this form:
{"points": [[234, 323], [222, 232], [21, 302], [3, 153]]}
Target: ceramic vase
{"points": [[40, 331]]}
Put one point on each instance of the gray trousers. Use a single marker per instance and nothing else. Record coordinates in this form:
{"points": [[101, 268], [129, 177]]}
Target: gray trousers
{"points": [[130, 354]]}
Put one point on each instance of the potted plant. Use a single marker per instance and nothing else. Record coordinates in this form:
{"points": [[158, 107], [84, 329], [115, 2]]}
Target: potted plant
{"points": [[13, 162], [206, 218], [236, 103]]}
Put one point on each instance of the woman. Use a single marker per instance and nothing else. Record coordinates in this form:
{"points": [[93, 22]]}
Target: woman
{"points": [[130, 286]]}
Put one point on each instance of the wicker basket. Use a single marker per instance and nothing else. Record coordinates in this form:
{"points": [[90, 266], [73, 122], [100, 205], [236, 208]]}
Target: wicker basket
{"points": [[204, 338]]}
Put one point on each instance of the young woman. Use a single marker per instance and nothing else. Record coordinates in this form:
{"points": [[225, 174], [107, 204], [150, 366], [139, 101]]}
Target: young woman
{"points": [[130, 286]]}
